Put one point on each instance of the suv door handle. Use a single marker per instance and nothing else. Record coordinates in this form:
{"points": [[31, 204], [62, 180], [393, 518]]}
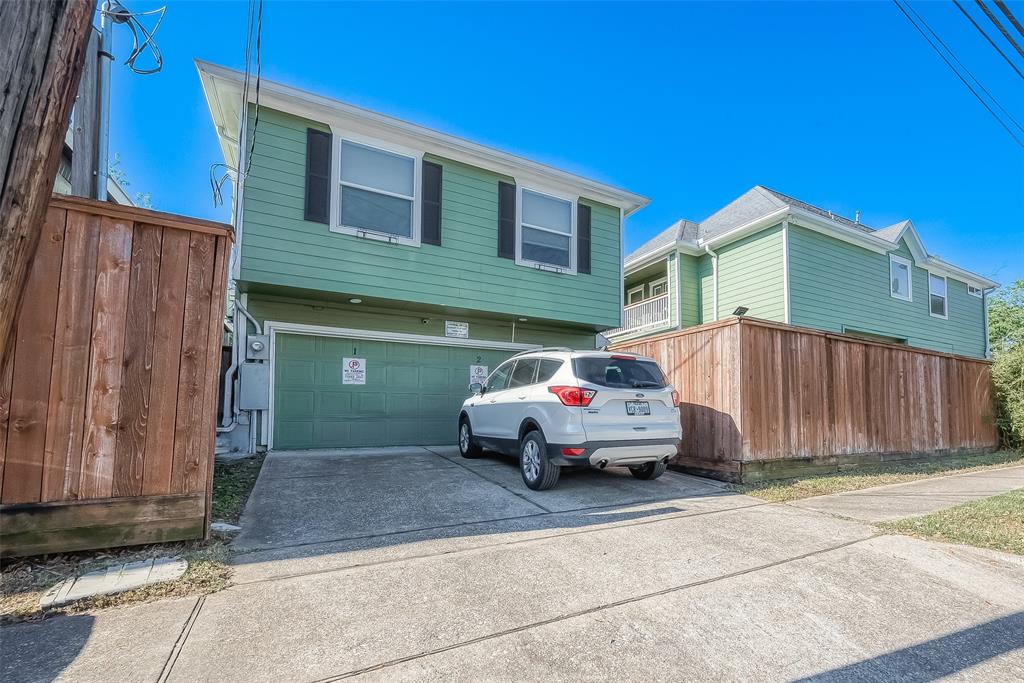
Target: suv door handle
{"points": [[520, 397], [493, 400]]}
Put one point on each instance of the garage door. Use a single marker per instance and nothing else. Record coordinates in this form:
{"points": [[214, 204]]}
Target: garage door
{"points": [[411, 395]]}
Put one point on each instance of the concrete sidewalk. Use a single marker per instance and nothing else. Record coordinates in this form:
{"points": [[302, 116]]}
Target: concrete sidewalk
{"points": [[682, 580], [914, 498]]}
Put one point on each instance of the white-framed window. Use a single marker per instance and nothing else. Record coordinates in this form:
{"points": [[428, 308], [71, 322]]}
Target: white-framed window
{"points": [[635, 295], [546, 232], [659, 287], [376, 190], [974, 291], [937, 303], [900, 278]]}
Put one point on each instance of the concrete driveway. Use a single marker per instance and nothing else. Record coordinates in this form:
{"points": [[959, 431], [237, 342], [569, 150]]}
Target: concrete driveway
{"points": [[415, 564]]}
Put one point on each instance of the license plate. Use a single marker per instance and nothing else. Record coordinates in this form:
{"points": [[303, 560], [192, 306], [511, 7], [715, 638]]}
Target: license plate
{"points": [[638, 408]]}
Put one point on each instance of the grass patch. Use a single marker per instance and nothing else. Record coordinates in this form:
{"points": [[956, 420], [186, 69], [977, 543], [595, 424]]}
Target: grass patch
{"points": [[866, 476], [996, 523], [232, 482], [23, 581]]}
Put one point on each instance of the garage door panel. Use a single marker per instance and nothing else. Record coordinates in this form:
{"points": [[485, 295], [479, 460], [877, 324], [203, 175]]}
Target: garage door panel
{"points": [[411, 397], [296, 403], [333, 404], [403, 405]]}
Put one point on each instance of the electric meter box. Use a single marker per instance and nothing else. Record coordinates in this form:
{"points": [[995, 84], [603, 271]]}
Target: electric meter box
{"points": [[257, 347]]}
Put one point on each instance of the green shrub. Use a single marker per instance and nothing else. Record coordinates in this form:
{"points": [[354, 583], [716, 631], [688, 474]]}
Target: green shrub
{"points": [[1006, 333]]}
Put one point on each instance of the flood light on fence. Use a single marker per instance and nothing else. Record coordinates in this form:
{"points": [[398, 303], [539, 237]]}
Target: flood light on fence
{"points": [[741, 311]]}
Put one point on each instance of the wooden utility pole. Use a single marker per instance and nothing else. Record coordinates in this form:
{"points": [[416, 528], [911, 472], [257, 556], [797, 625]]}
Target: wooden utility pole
{"points": [[42, 53]]}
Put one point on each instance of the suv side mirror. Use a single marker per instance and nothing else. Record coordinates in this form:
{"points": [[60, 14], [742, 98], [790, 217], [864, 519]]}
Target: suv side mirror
{"points": [[476, 388]]}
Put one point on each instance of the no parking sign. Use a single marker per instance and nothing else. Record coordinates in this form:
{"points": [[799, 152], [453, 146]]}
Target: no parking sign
{"points": [[353, 371]]}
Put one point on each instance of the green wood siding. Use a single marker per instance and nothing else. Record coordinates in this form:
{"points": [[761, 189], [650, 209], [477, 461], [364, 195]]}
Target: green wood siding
{"points": [[750, 273], [688, 300], [265, 307], [278, 247], [837, 286]]}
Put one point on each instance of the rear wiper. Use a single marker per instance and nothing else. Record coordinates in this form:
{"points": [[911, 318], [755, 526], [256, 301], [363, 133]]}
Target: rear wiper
{"points": [[637, 384]]}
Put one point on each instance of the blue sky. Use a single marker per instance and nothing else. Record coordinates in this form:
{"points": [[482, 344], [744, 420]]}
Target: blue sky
{"points": [[840, 104]]}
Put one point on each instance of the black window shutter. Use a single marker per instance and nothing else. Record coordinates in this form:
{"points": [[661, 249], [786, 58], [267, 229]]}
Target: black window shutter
{"points": [[582, 238], [318, 176], [430, 228], [506, 220]]}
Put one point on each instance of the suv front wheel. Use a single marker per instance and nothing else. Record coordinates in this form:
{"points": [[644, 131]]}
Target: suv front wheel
{"points": [[468, 447], [538, 472]]}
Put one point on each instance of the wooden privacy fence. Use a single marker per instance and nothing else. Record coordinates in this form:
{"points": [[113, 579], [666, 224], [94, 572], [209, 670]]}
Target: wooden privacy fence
{"points": [[762, 400], [108, 398]]}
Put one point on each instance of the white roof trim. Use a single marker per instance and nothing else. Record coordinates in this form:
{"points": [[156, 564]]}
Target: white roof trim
{"points": [[223, 87], [813, 221]]}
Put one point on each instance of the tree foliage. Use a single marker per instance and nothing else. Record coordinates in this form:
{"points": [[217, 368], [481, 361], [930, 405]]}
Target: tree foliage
{"points": [[1006, 334]]}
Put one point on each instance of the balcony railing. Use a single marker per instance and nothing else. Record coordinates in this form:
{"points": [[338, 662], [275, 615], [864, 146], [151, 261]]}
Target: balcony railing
{"points": [[648, 314]]}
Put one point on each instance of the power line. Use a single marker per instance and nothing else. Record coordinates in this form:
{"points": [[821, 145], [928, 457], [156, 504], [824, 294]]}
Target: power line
{"points": [[990, 41], [999, 25], [259, 73], [1009, 15], [962, 66], [958, 75]]}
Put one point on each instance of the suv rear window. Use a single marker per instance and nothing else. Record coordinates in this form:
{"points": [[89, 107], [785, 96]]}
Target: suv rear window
{"points": [[619, 373]]}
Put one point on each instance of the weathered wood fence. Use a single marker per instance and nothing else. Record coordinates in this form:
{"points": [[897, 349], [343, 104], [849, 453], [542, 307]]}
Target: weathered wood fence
{"points": [[108, 400], [764, 400]]}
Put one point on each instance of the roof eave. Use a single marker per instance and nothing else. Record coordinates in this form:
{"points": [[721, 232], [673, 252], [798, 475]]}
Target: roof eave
{"points": [[310, 105]]}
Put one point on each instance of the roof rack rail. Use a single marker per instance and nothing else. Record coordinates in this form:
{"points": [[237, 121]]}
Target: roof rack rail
{"points": [[545, 348]]}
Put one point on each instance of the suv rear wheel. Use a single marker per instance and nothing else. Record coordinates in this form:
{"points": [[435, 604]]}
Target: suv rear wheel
{"points": [[468, 447], [649, 470], [538, 472]]}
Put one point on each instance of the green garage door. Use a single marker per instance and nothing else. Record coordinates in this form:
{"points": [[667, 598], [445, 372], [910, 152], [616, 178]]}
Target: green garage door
{"points": [[411, 396]]}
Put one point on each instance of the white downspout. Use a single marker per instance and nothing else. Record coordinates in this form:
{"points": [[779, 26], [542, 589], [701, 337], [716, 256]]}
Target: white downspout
{"points": [[785, 271], [714, 275]]}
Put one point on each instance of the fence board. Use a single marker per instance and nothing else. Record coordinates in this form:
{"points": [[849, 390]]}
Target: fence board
{"points": [[70, 373], [26, 436], [113, 271], [140, 323], [192, 375]]}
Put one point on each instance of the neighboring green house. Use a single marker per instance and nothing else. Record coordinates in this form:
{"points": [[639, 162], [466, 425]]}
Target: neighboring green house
{"points": [[386, 261], [787, 261]]}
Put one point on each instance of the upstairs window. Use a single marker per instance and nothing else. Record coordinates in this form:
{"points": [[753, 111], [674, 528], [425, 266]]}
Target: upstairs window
{"points": [[659, 287], [377, 190], [937, 296], [635, 295], [546, 230], [899, 278], [974, 291]]}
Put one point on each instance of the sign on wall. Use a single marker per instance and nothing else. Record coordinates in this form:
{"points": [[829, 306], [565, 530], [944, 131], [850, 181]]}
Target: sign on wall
{"points": [[353, 371], [478, 374], [454, 328]]}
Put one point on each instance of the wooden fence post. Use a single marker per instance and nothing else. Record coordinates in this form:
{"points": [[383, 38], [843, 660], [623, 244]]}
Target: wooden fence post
{"points": [[42, 52]]}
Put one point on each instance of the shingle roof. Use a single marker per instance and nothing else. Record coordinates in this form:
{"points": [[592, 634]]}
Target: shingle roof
{"points": [[755, 203]]}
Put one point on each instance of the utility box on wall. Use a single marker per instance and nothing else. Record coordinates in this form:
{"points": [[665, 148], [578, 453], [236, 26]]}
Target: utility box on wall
{"points": [[254, 386]]}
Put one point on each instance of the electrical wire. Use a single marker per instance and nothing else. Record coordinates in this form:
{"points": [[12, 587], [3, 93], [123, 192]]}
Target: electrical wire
{"points": [[962, 66], [999, 25], [119, 14], [259, 73], [1009, 15], [958, 75], [990, 41]]}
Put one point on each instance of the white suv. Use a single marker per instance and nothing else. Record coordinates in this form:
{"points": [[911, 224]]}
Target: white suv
{"points": [[556, 408]]}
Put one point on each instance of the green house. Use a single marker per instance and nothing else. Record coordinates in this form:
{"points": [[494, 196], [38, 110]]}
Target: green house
{"points": [[787, 261], [384, 263]]}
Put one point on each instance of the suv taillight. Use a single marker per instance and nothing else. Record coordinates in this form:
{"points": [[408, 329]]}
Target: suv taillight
{"points": [[675, 398], [573, 396]]}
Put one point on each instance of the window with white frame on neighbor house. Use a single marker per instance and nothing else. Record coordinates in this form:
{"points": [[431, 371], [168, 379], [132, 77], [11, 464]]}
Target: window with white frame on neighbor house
{"points": [[899, 278], [377, 189], [937, 304], [546, 229], [635, 295], [659, 287]]}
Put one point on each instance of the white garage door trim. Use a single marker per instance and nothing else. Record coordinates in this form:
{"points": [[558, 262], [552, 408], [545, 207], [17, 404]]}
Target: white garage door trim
{"points": [[272, 327]]}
